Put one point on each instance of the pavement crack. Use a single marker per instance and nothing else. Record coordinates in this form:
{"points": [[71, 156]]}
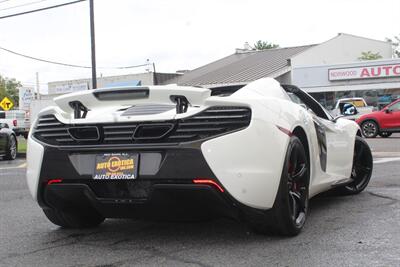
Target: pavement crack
{"points": [[14, 255], [393, 200], [159, 253], [78, 236]]}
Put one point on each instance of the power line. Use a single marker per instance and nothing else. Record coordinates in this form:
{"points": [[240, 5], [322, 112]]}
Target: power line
{"points": [[40, 9], [26, 4], [67, 64]]}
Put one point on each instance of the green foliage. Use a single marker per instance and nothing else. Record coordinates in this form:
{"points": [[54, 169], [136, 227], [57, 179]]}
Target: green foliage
{"points": [[262, 45], [395, 44], [369, 56], [9, 88]]}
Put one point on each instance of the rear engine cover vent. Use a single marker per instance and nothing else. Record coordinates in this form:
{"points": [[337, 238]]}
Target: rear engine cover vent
{"points": [[147, 109], [209, 123], [152, 131], [85, 133]]}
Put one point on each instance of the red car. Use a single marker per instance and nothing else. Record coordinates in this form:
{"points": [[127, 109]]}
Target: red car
{"points": [[383, 122]]}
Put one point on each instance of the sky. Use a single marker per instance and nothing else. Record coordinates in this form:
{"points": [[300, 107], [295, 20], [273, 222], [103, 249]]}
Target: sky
{"points": [[174, 34]]}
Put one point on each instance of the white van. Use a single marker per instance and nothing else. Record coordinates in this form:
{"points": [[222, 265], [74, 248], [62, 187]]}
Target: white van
{"points": [[17, 120]]}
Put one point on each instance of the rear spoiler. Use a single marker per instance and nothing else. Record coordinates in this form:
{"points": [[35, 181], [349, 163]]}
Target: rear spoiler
{"points": [[128, 96]]}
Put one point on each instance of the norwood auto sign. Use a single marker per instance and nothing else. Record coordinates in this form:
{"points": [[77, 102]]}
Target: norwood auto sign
{"points": [[366, 72]]}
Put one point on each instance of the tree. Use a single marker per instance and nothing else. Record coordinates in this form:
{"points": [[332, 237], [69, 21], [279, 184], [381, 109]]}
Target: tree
{"points": [[9, 88], [395, 44], [263, 45], [369, 56]]}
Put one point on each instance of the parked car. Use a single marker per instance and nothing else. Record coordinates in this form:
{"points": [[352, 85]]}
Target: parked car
{"points": [[8, 142], [358, 102], [383, 122], [175, 152], [17, 121]]}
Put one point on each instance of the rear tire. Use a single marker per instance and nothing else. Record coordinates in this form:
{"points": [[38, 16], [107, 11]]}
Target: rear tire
{"points": [[11, 152], [369, 129], [288, 215], [67, 219], [362, 168]]}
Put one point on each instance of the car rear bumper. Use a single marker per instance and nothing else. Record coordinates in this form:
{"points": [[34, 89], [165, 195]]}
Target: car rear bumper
{"points": [[166, 201], [165, 187], [168, 192]]}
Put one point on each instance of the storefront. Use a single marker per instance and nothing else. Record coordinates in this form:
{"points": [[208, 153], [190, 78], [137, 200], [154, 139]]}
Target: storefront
{"points": [[377, 81]]}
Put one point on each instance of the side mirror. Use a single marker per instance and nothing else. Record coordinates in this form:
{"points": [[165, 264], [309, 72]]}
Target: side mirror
{"points": [[349, 110], [387, 111]]}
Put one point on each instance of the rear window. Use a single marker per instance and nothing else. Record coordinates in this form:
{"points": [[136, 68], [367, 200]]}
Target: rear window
{"points": [[357, 103]]}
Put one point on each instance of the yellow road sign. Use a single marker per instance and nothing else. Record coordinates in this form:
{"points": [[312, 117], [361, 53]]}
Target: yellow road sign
{"points": [[6, 103]]}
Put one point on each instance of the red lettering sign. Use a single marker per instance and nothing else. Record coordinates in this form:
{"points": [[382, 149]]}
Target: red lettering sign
{"points": [[364, 73], [396, 70]]}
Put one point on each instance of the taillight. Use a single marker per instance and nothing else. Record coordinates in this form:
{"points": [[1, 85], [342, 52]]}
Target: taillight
{"points": [[208, 182], [15, 123], [54, 181]]}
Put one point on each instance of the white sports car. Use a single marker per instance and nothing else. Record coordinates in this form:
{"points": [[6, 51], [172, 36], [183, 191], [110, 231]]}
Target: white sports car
{"points": [[256, 153]]}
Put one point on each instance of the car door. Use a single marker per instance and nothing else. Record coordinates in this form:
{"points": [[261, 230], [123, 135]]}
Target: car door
{"points": [[337, 140], [339, 148], [391, 116]]}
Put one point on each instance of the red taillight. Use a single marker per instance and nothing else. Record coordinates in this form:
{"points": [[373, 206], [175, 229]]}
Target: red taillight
{"points": [[54, 181], [208, 182], [15, 123]]}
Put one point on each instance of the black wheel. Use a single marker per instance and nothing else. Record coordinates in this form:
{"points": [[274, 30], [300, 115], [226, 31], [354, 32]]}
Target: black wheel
{"points": [[362, 168], [289, 212], [369, 129], [385, 134], [68, 219], [11, 152]]}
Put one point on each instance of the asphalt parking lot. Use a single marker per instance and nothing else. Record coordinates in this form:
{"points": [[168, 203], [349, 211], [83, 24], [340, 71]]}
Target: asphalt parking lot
{"points": [[362, 230]]}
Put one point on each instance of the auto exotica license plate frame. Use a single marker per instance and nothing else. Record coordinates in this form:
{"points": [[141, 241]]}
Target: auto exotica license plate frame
{"points": [[116, 166]]}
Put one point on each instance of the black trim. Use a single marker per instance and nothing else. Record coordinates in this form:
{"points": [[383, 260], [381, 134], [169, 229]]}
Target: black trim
{"points": [[172, 163], [391, 130], [207, 124], [110, 94], [166, 201], [308, 100], [158, 131], [78, 108], [164, 192], [182, 103], [321, 137], [80, 134]]}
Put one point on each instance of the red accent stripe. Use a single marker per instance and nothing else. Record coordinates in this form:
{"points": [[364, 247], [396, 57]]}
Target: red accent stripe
{"points": [[209, 182], [285, 131], [54, 181]]}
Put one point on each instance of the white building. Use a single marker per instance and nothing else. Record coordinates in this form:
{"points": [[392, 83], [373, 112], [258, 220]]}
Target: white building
{"points": [[309, 67]]}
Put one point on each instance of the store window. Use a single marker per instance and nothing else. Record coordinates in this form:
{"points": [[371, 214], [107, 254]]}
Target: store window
{"points": [[375, 98]]}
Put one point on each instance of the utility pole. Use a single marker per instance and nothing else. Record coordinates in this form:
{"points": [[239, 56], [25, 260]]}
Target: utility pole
{"points": [[37, 86], [92, 38], [154, 74]]}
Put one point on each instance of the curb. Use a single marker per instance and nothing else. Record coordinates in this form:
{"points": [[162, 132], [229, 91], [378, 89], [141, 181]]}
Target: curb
{"points": [[385, 154]]}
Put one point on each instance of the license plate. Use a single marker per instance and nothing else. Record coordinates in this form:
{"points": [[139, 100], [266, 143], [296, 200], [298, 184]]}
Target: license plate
{"points": [[116, 166]]}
